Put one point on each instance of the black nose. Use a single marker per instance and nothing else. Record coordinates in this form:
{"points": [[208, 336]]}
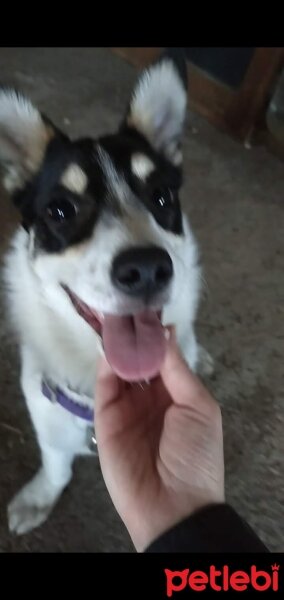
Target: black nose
{"points": [[142, 271]]}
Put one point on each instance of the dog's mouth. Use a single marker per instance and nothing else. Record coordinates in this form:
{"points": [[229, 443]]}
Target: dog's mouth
{"points": [[134, 345]]}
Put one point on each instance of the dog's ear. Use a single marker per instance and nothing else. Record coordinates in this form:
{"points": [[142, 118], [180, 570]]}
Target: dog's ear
{"points": [[24, 135], [158, 105]]}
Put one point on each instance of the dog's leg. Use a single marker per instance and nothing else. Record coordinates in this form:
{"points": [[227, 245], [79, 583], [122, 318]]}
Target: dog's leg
{"points": [[32, 505], [205, 364], [188, 345], [198, 359], [59, 440]]}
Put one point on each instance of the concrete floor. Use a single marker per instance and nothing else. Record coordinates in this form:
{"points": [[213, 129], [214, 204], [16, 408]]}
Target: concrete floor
{"points": [[235, 200]]}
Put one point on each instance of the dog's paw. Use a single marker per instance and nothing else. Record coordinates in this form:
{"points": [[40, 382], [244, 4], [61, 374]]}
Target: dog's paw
{"points": [[30, 507], [23, 516], [206, 366]]}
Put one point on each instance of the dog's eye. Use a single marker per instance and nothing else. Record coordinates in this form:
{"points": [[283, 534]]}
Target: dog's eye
{"points": [[163, 198], [61, 210]]}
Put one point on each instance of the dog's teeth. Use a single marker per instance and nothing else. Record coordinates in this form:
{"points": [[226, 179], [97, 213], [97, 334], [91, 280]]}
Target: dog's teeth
{"points": [[101, 315]]}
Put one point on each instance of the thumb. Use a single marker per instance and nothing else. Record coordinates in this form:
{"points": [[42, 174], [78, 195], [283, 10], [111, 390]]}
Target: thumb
{"points": [[184, 387]]}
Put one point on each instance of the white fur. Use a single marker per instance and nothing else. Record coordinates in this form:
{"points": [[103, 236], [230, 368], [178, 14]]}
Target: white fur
{"points": [[115, 182], [158, 108], [23, 138]]}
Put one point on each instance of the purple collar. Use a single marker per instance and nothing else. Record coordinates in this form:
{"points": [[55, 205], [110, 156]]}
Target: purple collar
{"points": [[55, 394]]}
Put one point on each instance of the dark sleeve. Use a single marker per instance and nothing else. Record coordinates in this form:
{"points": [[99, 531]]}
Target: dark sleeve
{"points": [[216, 528]]}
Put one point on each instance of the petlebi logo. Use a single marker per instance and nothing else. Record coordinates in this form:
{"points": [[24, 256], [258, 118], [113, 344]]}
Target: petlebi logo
{"points": [[222, 580]]}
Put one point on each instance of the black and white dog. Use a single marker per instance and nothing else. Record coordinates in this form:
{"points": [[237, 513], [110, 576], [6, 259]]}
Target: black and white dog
{"points": [[104, 252]]}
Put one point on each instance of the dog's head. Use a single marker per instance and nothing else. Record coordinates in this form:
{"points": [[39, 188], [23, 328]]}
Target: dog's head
{"points": [[104, 222]]}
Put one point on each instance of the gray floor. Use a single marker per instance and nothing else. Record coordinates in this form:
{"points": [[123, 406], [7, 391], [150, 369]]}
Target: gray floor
{"points": [[235, 200]]}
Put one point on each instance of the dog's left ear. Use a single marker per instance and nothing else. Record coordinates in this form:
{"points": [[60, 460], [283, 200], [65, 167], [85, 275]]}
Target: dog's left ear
{"points": [[24, 136], [158, 105]]}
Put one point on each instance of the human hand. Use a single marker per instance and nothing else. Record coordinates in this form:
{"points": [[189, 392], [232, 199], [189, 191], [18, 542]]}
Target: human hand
{"points": [[160, 448]]}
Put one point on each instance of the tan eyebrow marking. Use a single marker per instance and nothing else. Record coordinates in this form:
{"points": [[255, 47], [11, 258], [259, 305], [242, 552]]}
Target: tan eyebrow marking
{"points": [[141, 166], [74, 179]]}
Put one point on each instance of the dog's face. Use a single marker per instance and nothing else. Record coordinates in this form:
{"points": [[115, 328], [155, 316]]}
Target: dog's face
{"points": [[106, 230]]}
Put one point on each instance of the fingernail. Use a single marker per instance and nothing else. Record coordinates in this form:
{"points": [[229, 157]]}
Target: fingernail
{"points": [[167, 333], [170, 333]]}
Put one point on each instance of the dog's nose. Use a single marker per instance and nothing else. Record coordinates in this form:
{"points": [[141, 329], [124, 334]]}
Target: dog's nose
{"points": [[142, 271]]}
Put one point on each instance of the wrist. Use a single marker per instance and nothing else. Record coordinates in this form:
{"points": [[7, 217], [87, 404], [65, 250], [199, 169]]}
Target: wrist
{"points": [[147, 529]]}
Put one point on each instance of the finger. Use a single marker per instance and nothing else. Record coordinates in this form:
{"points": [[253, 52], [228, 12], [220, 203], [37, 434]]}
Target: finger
{"points": [[108, 385], [184, 387]]}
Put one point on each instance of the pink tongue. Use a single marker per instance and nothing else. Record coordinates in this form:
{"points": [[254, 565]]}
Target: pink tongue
{"points": [[134, 346]]}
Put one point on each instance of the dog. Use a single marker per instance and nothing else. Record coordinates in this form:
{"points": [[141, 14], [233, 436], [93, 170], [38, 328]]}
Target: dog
{"points": [[103, 259]]}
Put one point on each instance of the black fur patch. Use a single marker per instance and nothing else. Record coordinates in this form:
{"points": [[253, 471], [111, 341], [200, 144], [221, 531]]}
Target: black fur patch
{"points": [[45, 189]]}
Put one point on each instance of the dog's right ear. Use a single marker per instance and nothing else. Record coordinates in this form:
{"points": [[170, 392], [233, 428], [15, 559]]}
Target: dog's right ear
{"points": [[158, 105], [24, 136]]}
